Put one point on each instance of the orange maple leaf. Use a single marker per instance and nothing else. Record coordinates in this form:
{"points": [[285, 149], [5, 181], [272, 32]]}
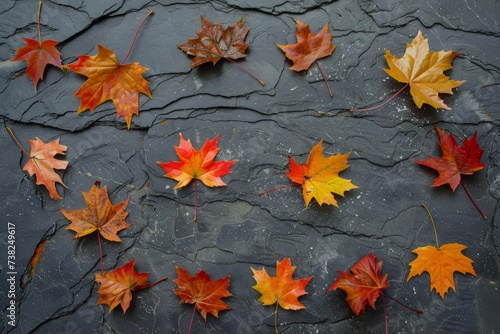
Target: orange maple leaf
{"points": [[423, 71], [38, 56], [319, 177], [364, 285], [197, 165], [116, 286], [441, 263], [99, 215], [109, 80], [42, 164], [201, 291], [309, 47], [214, 42]]}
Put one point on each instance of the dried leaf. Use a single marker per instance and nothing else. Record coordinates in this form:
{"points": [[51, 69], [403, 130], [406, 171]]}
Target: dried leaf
{"points": [[319, 177], [441, 263], [214, 42], [201, 291], [364, 285], [309, 47], [42, 164], [109, 80], [116, 286], [99, 215], [423, 70]]}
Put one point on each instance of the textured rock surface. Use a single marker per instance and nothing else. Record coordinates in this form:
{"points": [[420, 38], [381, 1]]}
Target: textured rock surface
{"points": [[260, 126]]}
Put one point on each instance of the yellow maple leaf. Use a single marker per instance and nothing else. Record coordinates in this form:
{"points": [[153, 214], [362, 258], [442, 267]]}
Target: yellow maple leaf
{"points": [[319, 177], [423, 71], [441, 263]]}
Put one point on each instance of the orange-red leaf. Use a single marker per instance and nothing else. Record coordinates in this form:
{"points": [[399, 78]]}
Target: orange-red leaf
{"points": [[441, 263], [109, 80], [198, 165], [201, 291], [116, 286], [99, 215], [319, 177], [309, 47], [38, 56], [364, 285], [42, 164], [282, 288], [456, 160], [214, 42], [423, 70]]}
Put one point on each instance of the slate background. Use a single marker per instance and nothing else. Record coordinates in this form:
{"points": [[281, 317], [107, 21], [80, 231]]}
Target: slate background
{"points": [[260, 126]]}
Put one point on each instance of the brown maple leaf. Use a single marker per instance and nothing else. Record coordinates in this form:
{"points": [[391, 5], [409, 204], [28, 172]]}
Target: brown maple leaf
{"points": [[319, 176], [441, 263], [116, 286], [364, 285], [200, 290], [110, 80], [100, 215], [42, 164], [423, 71]]}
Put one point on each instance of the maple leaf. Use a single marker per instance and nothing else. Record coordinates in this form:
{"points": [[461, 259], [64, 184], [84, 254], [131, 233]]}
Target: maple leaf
{"points": [[99, 215], [364, 285], [42, 164], [319, 177], [38, 56], [201, 291], [456, 160], [214, 42], [282, 288], [309, 47], [423, 70], [441, 263], [116, 286], [110, 80], [197, 165]]}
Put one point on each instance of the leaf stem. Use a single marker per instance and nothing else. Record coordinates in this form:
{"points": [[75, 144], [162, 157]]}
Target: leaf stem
{"points": [[39, 33], [385, 315], [17, 142], [278, 188], [135, 36], [192, 320], [195, 200], [153, 284], [246, 71], [405, 306], [384, 103], [433, 224], [472, 200], [324, 78], [100, 251], [276, 319]]}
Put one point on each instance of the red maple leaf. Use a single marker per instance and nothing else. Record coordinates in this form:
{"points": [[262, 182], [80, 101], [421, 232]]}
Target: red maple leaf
{"points": [[364, 285]]}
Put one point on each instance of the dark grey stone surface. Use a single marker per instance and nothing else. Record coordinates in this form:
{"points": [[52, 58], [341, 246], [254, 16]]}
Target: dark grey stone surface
{"points": [[260, 126]]}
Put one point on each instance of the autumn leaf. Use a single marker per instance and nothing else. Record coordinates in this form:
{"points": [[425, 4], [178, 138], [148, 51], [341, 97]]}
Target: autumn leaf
{"points": [[197, 165], [423, 70], [116, 286], [110, 80], [38, 54], [319, 177], [364, 285], [37, 255], [441, 263], [42, 163], [200, 290], [281, 289], [309, 48], [456, 160]]}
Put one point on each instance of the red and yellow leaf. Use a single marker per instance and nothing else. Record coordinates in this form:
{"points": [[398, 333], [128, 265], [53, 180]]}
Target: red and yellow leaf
{"points": [[110, 80], [364, 285], [201, 291], [423, 70], [319, 177], [116, 286], [100, 215]]}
